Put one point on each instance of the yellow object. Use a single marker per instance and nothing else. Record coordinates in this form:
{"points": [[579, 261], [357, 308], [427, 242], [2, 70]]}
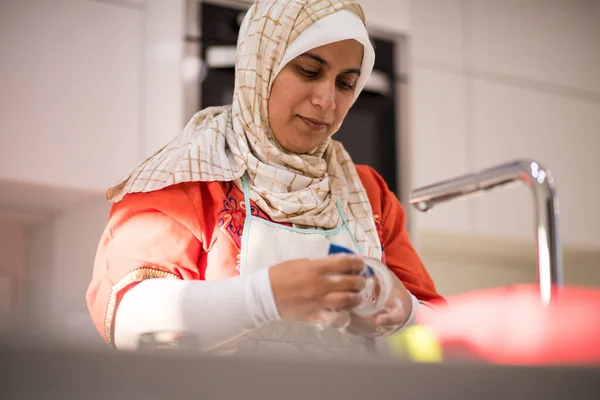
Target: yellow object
{"points": [[417, 343]]}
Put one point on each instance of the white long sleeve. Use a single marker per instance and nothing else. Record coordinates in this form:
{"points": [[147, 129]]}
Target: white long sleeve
{"points": [[414, 312], [216, 312]]}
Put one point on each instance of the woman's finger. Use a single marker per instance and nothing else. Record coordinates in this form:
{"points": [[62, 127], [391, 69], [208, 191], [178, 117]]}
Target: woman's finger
{"points": [[334, 319], [395, 318], [341, 264], [346, 283], [341, 300]]}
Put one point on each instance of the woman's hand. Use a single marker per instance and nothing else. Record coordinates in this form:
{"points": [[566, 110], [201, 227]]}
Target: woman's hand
{"points": [[309, 290], [388, 321]]}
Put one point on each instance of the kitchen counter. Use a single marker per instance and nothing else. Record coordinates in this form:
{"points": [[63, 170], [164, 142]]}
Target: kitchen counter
{"points": [[67, 373]]}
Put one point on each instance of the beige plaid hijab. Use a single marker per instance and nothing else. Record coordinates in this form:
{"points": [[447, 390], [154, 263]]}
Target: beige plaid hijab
{"points": [[223, 143]]}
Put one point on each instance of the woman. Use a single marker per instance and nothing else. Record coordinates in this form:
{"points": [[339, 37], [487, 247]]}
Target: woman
{"points": [[240, 208]]}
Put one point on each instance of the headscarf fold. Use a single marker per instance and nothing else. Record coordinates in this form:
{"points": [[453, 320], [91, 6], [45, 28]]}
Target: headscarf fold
{"points": [[223, 143]]}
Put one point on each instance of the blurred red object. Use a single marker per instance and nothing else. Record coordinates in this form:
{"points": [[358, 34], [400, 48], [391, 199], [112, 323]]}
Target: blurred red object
{"points": [[510, 325]]}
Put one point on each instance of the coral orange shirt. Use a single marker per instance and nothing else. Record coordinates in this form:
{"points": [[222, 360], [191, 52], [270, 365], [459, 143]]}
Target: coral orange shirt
{"points": [[194, 230]]}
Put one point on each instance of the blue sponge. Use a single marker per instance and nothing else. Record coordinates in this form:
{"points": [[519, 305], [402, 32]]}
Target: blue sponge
{"points": [[335, 249]]}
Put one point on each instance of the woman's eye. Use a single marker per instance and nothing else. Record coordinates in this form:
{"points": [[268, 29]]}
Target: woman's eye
{"points": [[308, 73], [345, 85]]}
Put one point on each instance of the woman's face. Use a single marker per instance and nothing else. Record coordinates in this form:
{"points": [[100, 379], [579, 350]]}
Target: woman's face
{"points": [[313, 93]]}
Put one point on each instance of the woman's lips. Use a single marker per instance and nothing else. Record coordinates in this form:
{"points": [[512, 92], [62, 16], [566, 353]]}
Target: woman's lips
{"points": [[314, 124]]}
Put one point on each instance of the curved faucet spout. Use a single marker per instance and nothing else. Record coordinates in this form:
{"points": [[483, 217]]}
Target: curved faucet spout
{"points": [[539, 179]]}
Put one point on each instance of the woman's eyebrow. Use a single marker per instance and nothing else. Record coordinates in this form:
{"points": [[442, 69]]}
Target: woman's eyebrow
{"points": [[325, 64]]}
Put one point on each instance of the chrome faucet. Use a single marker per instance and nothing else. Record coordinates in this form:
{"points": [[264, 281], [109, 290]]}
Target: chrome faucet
{"points": [[539, 179]]}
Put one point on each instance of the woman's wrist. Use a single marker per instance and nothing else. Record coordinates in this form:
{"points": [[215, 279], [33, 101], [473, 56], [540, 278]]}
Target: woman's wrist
{"points": [[260, 299]]}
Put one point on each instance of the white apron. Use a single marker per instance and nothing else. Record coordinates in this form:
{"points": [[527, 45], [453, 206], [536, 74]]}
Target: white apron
{"points": [[265, 244]]}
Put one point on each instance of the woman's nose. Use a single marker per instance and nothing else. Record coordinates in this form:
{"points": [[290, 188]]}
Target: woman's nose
{"points": [[324, 95]]}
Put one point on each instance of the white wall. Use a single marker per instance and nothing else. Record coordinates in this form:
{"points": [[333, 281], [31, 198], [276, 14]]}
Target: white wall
{"points": [[391, 15], [163, 95], [495, 80], [498, 80], [70, 76]]}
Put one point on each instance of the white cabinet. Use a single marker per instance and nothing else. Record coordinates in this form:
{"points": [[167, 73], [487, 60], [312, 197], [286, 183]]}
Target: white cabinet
{"points": [[73, 250], [12, 270], [5, 302]]}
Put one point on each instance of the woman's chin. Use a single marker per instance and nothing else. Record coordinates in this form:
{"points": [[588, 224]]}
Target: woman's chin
{"points": [[300, 147], [303, 142]]}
